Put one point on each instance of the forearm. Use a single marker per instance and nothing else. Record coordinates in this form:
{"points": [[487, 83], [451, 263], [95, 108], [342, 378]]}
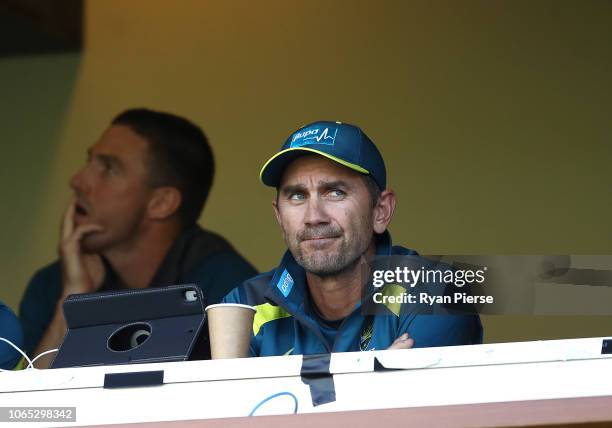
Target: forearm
{"points": [[51, 339]]}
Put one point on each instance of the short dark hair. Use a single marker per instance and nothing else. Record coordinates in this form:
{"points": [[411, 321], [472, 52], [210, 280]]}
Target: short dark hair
{"points": [[373, 188], [179, 156]]}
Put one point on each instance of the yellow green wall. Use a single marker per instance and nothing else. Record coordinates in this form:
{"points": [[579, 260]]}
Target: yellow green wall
{"points": [[493, 116]]}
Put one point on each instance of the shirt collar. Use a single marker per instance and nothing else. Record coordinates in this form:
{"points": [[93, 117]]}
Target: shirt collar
{"points": [[289, 280], [170, 269]]}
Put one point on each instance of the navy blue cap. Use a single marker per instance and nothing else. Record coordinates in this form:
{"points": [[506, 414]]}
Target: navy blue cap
{"points": [[343, 143]]}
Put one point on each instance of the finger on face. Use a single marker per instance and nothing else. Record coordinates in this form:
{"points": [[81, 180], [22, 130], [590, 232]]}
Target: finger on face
{"points": [[68, 220], [84, 229]]}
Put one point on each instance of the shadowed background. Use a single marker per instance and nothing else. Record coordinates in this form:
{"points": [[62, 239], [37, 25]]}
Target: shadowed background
{"points": [[493, 118]]}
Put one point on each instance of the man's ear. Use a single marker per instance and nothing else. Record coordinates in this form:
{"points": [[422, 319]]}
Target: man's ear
{"points": [[383, 210], [164, 202], [276, 212]]}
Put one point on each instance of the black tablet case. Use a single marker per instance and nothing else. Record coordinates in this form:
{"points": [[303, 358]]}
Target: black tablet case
{"points": [[178, 326]]}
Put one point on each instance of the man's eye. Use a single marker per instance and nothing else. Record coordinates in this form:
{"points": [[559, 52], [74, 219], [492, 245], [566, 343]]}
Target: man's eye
{"points": [[297, 196], [336, 193], [106, 166]]}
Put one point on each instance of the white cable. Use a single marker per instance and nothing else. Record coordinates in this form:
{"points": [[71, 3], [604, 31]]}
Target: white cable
{"points": [[18, 350], [31, 365], [30, 362]]}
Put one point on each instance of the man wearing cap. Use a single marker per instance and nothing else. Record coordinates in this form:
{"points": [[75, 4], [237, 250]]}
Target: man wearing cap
{"points": [[334, 208]]}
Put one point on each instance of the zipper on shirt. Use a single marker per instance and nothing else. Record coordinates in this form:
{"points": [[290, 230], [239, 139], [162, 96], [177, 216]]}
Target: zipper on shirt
{"points": [[303, 321]]}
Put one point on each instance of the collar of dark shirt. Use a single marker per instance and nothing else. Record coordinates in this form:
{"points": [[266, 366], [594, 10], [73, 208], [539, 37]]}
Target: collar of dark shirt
{"points": [[190, 248]]}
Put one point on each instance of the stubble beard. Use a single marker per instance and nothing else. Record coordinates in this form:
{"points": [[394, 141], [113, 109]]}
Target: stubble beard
{"points": [[91, 243], [326, 263], [112, 237]]}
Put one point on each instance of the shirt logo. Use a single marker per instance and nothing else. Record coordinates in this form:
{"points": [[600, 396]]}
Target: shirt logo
{"points": [[325, 136], [285, 283], [366, 337]]}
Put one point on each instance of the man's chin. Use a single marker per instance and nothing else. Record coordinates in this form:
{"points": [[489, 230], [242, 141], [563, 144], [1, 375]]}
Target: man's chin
{"points": [[93, 243], [322, 264]]}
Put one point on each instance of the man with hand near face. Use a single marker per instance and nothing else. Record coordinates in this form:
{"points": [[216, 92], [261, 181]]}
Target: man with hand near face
{"points": [[132, 224], [334, 207]]}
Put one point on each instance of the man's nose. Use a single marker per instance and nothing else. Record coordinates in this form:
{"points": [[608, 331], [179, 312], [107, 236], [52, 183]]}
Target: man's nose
{"points": [[78, 181], [315, 212]]}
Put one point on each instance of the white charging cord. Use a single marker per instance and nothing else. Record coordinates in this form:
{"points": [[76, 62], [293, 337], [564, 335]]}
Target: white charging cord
{"points": [[18, 350], [50, 351], [23, 354]]}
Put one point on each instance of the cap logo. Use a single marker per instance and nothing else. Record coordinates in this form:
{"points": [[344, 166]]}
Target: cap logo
{"points": [[308, 136]]}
